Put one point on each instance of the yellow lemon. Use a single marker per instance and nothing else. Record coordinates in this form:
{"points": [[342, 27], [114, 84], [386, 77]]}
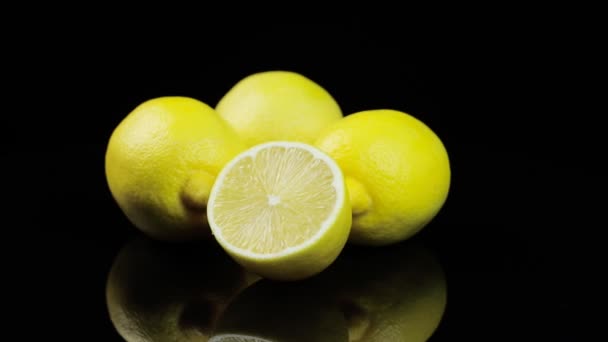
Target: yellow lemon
{"points": [[281, 210], [161, 161], [278, 105], [397, 173]]}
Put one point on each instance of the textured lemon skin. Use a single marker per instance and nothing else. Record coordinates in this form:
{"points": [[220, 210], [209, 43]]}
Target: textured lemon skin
{"points": [[161, 161], [278, 105], [401, 169]]}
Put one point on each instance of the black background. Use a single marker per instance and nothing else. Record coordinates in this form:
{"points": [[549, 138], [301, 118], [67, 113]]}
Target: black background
{"points": [[503, 95]]}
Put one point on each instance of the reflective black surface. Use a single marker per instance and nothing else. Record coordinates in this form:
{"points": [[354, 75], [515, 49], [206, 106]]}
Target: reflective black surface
{"points": [[121, 281], [159, 292], [504, 252]]}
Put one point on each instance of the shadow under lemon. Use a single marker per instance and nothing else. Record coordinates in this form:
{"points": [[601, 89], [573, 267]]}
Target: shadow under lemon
{"points": [[163, 292], [393, 293]]}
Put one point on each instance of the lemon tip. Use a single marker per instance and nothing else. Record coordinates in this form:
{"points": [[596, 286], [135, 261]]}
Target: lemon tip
{"points": [[196, 190], [360, 198]]}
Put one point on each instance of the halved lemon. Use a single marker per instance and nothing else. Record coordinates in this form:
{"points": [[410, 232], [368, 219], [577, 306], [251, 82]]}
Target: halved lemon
{"points": [[281, 210]]}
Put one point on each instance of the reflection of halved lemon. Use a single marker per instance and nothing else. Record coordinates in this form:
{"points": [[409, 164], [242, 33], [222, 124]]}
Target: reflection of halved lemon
{"points": [[278, 105], [281, 210], [280, 312]]}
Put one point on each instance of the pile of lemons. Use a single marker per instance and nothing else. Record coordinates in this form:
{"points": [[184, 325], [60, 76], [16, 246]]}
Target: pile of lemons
{"points": [[276, 173]]}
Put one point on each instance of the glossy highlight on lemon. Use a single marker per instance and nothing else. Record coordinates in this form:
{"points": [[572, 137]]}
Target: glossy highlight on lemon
{"points": [[278, 105], [281, 209], [161, 161], [397, 172]]}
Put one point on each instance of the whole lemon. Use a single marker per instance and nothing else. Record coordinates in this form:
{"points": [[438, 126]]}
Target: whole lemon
{"points": [[161, 162], [397, 173], [278, 105]]}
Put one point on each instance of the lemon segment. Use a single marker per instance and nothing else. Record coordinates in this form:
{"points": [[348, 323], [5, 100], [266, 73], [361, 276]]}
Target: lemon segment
{"points": [[281, 210]]}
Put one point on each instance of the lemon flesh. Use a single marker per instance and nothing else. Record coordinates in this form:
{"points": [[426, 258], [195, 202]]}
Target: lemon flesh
{"points": [[281, 210]]}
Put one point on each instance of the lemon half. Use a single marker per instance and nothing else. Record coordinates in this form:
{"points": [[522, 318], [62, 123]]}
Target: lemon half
{"points": [[281, 210]]}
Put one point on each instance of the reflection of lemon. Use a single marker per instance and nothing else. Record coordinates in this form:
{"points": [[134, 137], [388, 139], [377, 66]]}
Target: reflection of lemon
{"points": [[157, 292], [280, 312], [396, 293], [397, 172], [161, 161], [278, 105], [281, 210]]}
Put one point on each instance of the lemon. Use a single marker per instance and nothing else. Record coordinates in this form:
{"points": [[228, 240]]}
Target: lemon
{"points": [[287, 312], [164, 292], [394, 293], [397, 172], [281, 210], [278, 105], [161, 161]]}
